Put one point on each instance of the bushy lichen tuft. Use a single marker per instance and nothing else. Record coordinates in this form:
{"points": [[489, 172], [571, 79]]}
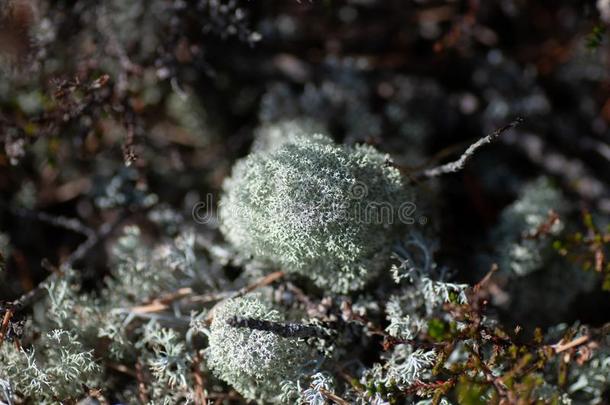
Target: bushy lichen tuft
{"points": [[524, 253], [60, 368], [326, 211], [518, 253], [254, 362]]}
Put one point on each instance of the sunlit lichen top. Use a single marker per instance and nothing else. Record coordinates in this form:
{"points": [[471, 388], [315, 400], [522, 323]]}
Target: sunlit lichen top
{"points": [[326, 211]]}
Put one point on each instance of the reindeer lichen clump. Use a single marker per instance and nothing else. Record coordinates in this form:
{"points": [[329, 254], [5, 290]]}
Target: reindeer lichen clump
{"points": [[254, 362], [326, 211]]}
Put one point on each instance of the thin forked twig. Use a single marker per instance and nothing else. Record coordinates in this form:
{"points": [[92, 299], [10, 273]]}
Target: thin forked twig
{"points": [[262, 282], [162, 303], [459, 164], [93, 238], [268, 279], [60, 221]]}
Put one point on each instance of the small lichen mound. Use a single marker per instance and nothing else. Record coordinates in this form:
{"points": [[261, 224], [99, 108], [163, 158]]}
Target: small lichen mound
{"points": [[520, 254], [254, 362], [328, 212]]}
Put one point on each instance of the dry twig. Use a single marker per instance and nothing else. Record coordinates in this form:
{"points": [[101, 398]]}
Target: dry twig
{"points": [[268, 279], [333, 397], [93, 238], [8, 314], [200, 394], [459, 164]]}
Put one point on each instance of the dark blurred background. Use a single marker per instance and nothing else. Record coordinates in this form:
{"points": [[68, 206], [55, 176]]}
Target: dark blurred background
{"points": [[135, 110]]}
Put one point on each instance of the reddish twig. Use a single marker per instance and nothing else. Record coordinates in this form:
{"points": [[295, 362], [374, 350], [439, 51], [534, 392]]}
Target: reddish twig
{"points": [[544, 228], [8, 314], [142, 391], [200, 395], [264, 281]]}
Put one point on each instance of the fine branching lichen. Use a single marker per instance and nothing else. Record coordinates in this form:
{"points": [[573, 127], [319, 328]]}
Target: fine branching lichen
{"points": [[254, 362], [58, 368], [328, 212]]}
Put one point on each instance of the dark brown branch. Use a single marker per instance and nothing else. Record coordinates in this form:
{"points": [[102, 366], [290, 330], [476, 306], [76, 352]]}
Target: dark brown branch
{"points": [[287, 330], [71, 224], [93, 239]]}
